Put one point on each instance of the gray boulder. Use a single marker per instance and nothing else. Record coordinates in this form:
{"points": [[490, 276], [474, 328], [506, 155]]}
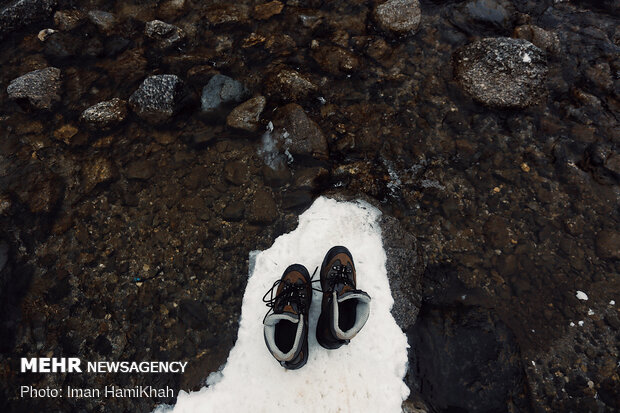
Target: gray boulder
{"points": [[158, 98], [398, 16], [17, 14], [220, 92], [41, 87], [502, 72]]}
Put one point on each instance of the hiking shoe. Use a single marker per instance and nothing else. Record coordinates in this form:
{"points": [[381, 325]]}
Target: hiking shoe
{"points": [[344, 309], [286, 324]]}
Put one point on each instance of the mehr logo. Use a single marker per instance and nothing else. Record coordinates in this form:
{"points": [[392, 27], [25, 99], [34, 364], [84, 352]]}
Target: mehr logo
{"points": [[51, 365]]}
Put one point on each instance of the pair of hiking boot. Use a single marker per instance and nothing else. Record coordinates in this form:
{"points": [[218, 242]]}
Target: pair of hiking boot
{"points": [[344, 309]]}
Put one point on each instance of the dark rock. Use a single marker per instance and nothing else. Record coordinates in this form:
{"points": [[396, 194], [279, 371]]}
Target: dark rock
{"points": [[66, 133], [165, 35], [105, 114], [227, 14], [263, 209], [104, 21], [41, 192], [41, 87], [158, 98], [277, 177], [4, 254], [246, 116], [502, 72], [296, 198], [299, 134], [267, 10], [220, 92], [608, 244], [193, 314], [310, 177], [398, 16], [236, 172], [465, 359], [17, 14], [288, 85], [335, 60], [496, 232], [62, 45], [67, 20], [141, 169], [545, 40], [484, 16], [99, 171], [405, 265], [234, 211]]}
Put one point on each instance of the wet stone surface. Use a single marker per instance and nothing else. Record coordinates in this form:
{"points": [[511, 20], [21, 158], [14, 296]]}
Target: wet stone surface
{"points": [[485, 130]]}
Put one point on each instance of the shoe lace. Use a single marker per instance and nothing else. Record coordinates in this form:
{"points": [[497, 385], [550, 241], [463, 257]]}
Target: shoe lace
{"points": [[341, 274], [291, 293]]}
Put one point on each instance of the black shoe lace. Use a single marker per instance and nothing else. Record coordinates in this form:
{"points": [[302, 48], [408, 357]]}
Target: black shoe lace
{"points": [[291, 293], [341, 274]]}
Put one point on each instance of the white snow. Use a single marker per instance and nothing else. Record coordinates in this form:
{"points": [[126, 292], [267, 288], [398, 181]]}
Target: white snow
{"points": [[590, 311], [612, 302], [526, 58], [580, 323], [572, 324], [366, 375], [582, 296]]}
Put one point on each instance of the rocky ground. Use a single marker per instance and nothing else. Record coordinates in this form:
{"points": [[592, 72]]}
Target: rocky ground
{"points": [[148, 146]]}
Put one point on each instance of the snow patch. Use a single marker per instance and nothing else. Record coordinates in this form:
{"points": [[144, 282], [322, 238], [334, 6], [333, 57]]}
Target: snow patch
{"points": [[580, 323], [582, 296], [526, 58], [612, 302], [366, 375], [590, 311]]}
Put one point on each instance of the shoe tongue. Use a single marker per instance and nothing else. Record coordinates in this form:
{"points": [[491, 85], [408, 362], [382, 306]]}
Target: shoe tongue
{"points": [[342, 289], [289, 309]]}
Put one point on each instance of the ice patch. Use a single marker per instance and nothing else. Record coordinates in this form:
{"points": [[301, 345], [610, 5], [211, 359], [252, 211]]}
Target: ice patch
{"points": [[582, 296], [366, 375]]}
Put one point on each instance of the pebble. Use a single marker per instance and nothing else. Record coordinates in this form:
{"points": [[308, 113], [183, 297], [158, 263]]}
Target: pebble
{"points": [[99, 171], [166, 35], [544, 39], [289, 85], [494, 16], [67, 20], [158, 98], [502, 72], [41, 87], [104, 21], [105, 114], [263, 209], [246, 116], [220, 91], [299, 134], [268, 10], [398, 16]]}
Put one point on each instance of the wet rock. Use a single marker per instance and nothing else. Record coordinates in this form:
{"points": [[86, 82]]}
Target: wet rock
{"points": [[246, 116], [220, 92], [41, 87], [67, 20], [17, 14], [263, 208], [296, 199], [502, 72], [164, 34], [288, 85], [41, 192], [398, 16], [496, 232], [236, 172], [105, 114], [62, 45], [405, 266], [99, 171], [104, 21], [141, 169], [310, 177], [545, 40], [466, 359], [608, 244], [234, 211], [227, 13], [4, 254], [66, 133], [335, 60], [267, 10], [299, 134], [158, 98], [490, 16], [276, 177]]}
